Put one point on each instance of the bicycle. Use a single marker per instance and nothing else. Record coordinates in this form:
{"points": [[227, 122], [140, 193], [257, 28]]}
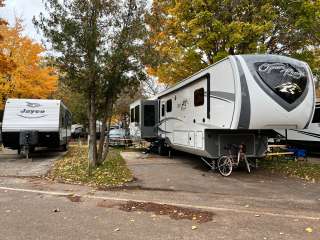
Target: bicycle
{"points": [[236, 153]]}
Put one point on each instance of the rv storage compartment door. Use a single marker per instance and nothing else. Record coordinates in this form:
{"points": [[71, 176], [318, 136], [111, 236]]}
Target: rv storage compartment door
{"points": [[149, 118]]}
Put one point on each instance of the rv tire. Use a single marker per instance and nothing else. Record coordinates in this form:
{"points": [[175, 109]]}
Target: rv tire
{"points": [[65, 147], [161, 149]]}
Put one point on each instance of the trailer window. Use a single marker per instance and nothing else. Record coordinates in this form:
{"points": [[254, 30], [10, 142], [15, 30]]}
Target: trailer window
{"points": [[162, 110], [137, 114], [199, 97], [132, 115], [169, 105], [316, 116], [149, 115]]}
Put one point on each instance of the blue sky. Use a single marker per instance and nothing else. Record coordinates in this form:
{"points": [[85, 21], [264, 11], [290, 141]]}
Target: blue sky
{"points": [[24, 9]]}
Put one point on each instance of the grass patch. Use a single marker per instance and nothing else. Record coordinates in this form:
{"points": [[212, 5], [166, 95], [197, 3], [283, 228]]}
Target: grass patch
{"points": [[303, 170], [73, 168]]}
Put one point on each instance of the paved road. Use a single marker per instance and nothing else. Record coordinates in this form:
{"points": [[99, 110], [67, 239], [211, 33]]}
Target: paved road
{"points": [[256, 206], [12, 164]]}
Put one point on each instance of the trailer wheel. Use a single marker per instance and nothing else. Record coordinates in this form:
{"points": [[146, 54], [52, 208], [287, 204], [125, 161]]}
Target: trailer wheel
{"points": [[161, 149], [225, 166], [65, 147]]}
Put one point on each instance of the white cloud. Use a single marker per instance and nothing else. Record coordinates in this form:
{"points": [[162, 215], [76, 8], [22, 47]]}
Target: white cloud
{"points": [[25, 9]]}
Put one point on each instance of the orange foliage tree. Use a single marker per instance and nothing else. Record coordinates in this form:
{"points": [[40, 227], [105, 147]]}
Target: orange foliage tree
{"points": [[5, 64], [31, 76]]}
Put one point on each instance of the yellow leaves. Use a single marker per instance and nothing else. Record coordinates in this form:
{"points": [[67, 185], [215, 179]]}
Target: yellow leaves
{"points": [[26, 76], [309, 230]]}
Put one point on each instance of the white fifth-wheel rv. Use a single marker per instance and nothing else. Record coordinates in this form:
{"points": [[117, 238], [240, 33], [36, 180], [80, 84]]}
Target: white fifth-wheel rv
{"points": [[35, 123], [236, 101]]}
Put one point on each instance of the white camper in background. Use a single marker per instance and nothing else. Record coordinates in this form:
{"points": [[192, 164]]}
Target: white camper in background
{"points": [[237, 101], [306, 138], [35, 122]]}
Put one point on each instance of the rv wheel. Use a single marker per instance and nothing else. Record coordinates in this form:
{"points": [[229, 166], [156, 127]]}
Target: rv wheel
{"points": [[161, 149], [225, 166], [65, 147]]}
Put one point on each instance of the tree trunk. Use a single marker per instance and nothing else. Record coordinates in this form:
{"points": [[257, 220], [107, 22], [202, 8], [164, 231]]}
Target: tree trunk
{"points": [[104, 139], [92, 154], [106, 149]]}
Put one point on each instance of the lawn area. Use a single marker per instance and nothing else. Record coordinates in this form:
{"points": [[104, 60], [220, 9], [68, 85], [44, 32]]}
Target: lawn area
{"points": [[73, 168], [303, 170]]}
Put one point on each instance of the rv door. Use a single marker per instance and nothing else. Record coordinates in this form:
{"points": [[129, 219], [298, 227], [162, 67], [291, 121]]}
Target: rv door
{"points": [[149, 119]]}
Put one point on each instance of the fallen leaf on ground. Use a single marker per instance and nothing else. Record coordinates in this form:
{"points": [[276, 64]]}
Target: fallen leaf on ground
{"points": [[309, 229], [194, 227]]}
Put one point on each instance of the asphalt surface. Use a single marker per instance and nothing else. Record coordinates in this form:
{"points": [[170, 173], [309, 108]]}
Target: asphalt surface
{"points": [[255, 206], [39, 163]]}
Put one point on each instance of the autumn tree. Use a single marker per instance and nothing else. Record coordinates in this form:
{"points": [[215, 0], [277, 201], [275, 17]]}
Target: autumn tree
{"points": [[122, 67], [6, 65], [75, 101], [186, 36], [31, 77], [97, 42]]}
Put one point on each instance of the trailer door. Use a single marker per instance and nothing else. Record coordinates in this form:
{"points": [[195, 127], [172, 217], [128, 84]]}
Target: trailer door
{"points": [[149, 119]]}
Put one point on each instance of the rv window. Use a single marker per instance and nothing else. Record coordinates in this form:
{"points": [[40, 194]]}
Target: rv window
{"points": [[149, 115], [162, 110], [137, 114], [316, 116], [132, 115], [169, 105], [199, 97]]}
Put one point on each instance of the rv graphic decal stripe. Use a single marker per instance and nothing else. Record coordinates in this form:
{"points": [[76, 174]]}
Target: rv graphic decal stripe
{"points": [[223, 96], [222, 99], [245, 111], [314, 94], [42, 116], [169, 118], [307, 133], [164, 120], [161, 130]]}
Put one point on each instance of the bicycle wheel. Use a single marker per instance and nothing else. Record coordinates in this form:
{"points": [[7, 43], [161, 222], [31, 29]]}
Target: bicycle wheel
{"points": [[225, 166]]}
